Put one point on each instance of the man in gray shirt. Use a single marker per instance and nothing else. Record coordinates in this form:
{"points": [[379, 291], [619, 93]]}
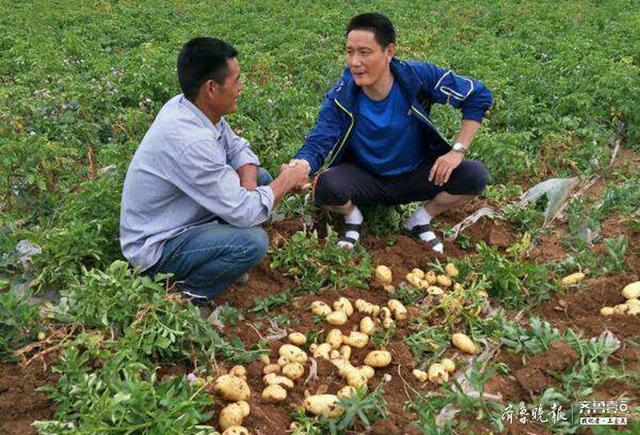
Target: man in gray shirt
{"points": [[194, 194]]}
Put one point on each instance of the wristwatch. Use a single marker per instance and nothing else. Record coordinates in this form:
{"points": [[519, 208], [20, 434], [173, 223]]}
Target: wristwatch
{"points": [[459, 148]]}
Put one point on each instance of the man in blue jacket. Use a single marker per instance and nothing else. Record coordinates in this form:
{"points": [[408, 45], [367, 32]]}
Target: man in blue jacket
{"points": [[374, 125]]}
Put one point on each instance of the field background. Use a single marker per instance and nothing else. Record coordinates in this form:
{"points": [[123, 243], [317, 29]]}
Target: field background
{"points": [[81, 81]]}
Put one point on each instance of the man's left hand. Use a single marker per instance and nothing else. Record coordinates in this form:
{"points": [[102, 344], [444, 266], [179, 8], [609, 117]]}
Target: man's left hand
{"points": [[443, 167]]}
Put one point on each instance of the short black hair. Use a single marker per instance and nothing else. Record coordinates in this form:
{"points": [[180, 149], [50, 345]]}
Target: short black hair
{"points": [[203, 59], [379, 24]]}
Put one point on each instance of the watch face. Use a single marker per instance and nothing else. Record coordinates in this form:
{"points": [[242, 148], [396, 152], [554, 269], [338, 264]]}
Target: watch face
{"points": [[460, 148]]}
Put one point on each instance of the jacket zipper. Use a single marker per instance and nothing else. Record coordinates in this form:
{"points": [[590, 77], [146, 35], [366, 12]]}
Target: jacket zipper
{"points": [[428, 122], [336, 151]]}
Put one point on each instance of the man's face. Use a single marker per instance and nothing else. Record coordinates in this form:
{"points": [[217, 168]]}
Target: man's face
{"points": [[225, 97], [366, 59]]}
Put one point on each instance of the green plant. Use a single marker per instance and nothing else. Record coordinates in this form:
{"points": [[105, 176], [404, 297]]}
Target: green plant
{"points": [[19, 322], [269, 303]]}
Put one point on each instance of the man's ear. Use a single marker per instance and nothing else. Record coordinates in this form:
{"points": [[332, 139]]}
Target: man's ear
{"points": [[390, 51]]}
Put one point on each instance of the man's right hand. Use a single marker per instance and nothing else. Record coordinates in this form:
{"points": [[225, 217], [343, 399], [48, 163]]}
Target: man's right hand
{"points": [[293, 176]]}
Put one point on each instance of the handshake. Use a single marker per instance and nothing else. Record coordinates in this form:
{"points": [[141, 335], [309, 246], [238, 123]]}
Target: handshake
{"points": [[297, 174]]}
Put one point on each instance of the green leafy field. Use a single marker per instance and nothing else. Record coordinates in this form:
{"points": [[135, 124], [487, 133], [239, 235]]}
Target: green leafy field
{"points": [[81, 81]]}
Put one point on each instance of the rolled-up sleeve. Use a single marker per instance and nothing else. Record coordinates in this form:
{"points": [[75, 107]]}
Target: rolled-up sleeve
{"points": [[238, 150], [202, 173]]}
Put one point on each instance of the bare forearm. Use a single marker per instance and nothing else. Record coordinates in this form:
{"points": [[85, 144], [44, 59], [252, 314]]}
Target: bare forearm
{"points": [[248, 176], [468, 129]]}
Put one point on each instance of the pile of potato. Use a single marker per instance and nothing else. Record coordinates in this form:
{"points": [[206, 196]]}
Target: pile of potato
{"points": [[631, 307], [234, 388]]}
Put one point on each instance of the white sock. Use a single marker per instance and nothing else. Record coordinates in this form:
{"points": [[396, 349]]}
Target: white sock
{"points": [[355, 217], [422, 217]]}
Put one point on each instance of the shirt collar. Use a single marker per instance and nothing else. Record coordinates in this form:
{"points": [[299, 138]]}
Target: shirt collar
{"points": [[215, 128]]}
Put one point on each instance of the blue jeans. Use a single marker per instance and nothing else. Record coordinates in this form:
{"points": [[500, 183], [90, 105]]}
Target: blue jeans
{"points": [[206, 259]]}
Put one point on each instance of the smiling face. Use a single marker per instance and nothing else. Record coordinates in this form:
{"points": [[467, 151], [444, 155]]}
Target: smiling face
{"points": [[224, 97], [366, 59]]}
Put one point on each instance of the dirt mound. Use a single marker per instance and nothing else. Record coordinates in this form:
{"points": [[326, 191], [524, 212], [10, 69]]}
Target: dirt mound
{"points": [[541, 370]]}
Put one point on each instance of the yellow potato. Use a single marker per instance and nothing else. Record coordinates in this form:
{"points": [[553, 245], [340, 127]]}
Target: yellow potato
{"points": [[271, 368], [343, 366], [334, 338], [322, 351], [438, 374], [345, 352], [458, 287], [367, 308], [620, 309], [343, 304], [238, 372], [356, 339], [572, 279], [420, 375], [297, 338], [606, 311], [232, 388], [346, 391], [632, 291], [451, 270], [274, 393], [483, 294], [292, 353], [356, 378], [444, 281], [273, 379], [367, 326], [418, 272], [413, 280], [633, 301], [293, 371], [464, 343], [282, 361], [321, 309], [431, 277], [383, 275], [233, 414], [236, 430], [368, 371], [633, 310], [337, 318], [398, 309], [449, 365], [323, 405], [378, 359], [264, 359], [434, 290]]}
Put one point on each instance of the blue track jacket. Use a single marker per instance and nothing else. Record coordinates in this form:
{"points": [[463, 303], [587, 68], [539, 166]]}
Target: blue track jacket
{"points": [[422, 83]]}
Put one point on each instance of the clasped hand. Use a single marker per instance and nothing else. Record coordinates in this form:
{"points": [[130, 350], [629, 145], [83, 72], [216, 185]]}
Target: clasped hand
{"points": [[299, 171]]}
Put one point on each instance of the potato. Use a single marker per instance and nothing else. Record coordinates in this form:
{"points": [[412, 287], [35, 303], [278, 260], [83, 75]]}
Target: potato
{"points": [[378, 359], [232, 388], [346, 391], [633, 301], [434, 290], [431, 277], [398, 309], [322, 351], [420, 375], [335, 338], [321, 309], [383, 275], [438, 374], [367, 326], [572, 279], [343, 366], [449, 365], [413, 280], [632, 291], [368, 371], [444, 281], [356, 339], [458, 287], [233, 414], [335, 355], [356, 378], [41, 335], [451, 270], [345, 352], [273, 379], [264, 359], [271, 368], [343, 304], [274, 393], [238, 372], [297, 338], [323, 405], [236, 430], [418, 272], [367, 308], [464, 343], [483, 294], [606, 311], [337, 318], [293, 353], [633, 310], [620, 309], [293, 371], [283, 361]]}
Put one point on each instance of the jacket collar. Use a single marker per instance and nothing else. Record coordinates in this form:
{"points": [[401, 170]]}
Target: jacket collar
{"points": [[403, 74]]}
